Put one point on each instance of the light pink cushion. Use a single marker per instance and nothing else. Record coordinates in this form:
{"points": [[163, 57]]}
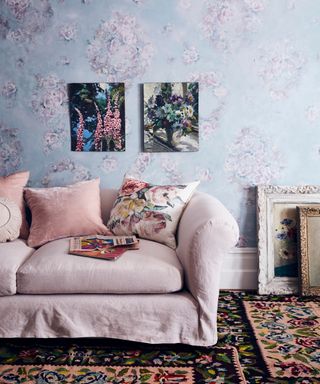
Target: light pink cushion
{"points": [[150, 211], [12, 255], [154, 268], [64, 211], [11, 187]]}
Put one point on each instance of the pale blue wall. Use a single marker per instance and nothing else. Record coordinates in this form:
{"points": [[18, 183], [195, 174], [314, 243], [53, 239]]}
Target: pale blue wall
{"points": [[257, 61]]}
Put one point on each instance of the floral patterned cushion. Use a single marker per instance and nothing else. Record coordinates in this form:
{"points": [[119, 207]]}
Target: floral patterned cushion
{"points": [[150, 211]]}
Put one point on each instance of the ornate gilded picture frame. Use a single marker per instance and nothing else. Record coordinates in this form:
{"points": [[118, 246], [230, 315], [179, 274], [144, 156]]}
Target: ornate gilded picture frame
{"points": [[277, 235], [309, 250]]}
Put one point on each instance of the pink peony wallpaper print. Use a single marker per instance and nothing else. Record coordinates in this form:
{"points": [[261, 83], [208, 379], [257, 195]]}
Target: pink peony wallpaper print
{"points": [[256, 63]]}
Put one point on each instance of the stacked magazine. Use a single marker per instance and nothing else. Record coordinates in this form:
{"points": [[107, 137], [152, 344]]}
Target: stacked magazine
{"points": [[102, 247]]}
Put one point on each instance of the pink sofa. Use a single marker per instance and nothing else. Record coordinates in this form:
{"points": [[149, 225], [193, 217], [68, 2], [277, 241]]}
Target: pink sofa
{"points": [[152, 295]]}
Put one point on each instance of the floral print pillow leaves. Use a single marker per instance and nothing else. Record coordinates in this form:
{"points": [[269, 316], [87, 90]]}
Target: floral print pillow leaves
{"points": [[150, 211]]}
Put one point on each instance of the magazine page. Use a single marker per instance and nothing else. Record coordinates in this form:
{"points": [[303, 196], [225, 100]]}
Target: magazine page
{"points": [[118, 240], [83, 243], [91, 243], [112, 253]]}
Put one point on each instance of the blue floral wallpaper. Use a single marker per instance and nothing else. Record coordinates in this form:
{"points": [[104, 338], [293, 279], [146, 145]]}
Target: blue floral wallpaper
{"points": [[258, 67]]}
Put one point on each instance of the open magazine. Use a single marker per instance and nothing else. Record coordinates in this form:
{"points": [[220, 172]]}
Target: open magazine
{"points": [[102, 247]]}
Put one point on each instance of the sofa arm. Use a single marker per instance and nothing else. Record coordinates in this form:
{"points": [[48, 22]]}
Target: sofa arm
{"points": [[206, 233]]}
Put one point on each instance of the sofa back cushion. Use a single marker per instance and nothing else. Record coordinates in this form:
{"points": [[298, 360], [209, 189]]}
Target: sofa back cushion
{"points": [[107, 197], [60, 212], [11, 187]]}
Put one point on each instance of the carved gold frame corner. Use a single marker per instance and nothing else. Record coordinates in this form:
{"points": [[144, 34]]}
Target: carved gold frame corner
{"points": [[304, 255]]}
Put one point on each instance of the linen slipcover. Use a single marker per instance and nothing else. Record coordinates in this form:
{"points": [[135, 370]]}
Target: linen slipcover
{"points": [[12, 255], [154, 268], [162, 318], [206, 233]]}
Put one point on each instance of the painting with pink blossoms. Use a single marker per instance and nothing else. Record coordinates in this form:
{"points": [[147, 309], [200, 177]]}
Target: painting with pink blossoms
{"points": [[97, 117]]}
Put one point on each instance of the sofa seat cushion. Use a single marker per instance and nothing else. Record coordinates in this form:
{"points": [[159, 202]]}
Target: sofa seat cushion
{"points": [[154, 268], [12, 255]]}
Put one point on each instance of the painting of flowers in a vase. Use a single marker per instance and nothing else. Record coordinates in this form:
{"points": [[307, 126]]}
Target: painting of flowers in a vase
{"points": [[171, 118], [285, 240], [97, 117]]}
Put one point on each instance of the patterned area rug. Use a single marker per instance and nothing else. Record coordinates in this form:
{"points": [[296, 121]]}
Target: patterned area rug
{"points": [[113, 362], [288, 334], [276, 337], [239, 329]]}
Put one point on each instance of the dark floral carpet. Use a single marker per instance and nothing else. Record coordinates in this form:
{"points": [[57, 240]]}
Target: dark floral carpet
{"points": [[110, 361], [235, 329]]}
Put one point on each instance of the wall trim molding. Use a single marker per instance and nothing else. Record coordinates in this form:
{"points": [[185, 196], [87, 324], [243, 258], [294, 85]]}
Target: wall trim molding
{"points": [[244, 250], [240, 269]]}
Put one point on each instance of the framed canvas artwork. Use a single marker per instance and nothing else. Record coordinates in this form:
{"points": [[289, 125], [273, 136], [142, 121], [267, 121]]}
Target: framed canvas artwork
{"points": [[97, 117], [278, 235], [309, 250], [171, 118]]}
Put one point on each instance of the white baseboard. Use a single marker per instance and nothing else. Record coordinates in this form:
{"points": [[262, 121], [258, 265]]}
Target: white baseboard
{"points": [[240, 269]]}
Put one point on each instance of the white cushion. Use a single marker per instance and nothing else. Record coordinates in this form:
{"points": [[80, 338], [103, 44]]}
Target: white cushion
{"points": [[150, 211], [12, 256], [10, 220], [154, 268]]}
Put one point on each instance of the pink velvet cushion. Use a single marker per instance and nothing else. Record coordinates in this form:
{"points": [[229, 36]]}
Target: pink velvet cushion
{"points": [[64, 211], [11, 187], [150, 211]]}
